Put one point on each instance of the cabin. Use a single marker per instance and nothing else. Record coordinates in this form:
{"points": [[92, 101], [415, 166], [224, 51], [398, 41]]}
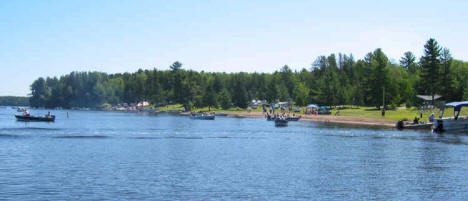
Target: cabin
{"points": [[142, 104]]}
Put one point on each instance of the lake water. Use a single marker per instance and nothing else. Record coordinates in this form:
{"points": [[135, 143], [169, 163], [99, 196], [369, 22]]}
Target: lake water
{"points": [[129, 156]]}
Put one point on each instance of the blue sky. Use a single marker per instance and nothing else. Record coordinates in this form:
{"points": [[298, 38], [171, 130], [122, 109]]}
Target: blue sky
{"points": [[53, 38]]}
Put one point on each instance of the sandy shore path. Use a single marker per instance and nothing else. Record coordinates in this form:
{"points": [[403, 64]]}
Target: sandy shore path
{"points": [[328, 118]]}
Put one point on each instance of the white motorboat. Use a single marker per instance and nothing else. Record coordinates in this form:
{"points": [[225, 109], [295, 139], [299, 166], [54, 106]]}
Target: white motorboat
{"points": [[452, 124], [202, 116]]}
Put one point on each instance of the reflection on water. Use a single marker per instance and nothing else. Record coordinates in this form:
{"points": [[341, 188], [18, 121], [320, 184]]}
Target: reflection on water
{"points": [[131, 156]]}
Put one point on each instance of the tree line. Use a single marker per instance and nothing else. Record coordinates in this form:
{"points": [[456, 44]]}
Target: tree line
{"points": [[331, 80], [14, 101]]}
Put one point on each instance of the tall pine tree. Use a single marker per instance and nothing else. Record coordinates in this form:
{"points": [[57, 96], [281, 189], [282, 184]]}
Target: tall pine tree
{"points": [[430, 65]]}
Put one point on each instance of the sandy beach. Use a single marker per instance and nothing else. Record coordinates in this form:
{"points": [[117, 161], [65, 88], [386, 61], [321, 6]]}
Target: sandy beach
{"points": [[327, 118]]}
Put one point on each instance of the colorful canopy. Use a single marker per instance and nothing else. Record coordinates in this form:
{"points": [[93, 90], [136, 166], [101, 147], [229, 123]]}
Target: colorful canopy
{"points": [[312, 106]]}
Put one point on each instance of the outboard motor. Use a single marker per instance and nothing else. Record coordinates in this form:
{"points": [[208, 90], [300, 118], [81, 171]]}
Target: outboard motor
{"points": [[399, 125], [439, 128]]}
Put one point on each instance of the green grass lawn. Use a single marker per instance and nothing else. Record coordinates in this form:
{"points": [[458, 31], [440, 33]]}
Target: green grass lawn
{"points": [[397, 114], [170, 107], [212, 109], [368, 112]]}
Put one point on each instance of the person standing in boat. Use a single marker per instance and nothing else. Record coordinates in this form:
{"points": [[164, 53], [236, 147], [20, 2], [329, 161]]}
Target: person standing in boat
{"points": [[431, 118]]}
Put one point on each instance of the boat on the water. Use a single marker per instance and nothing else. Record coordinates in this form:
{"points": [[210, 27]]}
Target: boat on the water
{"points": [[46, 118], [222, 114], [281, 122], [202, 116], [270, 118], [401, 125], [452, 124], [293, 118]]}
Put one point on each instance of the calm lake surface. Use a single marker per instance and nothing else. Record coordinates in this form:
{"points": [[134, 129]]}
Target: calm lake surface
{"points": [[130, 156]]}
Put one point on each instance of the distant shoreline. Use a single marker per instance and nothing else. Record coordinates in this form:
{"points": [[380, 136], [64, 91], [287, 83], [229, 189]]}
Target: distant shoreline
{"points": [[364, 121], [351, 120]]}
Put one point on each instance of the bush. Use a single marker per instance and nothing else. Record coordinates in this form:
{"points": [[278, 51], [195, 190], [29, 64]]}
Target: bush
{"points": [[408, 104]]}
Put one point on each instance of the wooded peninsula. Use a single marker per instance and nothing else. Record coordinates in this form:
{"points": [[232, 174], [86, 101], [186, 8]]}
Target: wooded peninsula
{"points": [[331, 80], [14, 101]]}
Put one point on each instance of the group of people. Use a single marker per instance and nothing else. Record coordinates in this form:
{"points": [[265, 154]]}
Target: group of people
{"points": [[202, 113], [278, 115], [275, 116], [416, 119], [311, 111], [27, 114], [272, 110]]}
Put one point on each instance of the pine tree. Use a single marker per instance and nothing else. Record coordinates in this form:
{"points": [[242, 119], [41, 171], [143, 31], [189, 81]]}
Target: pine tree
{"points": [[209, 99], [409, 62], [239, 93], [225, 99], [430, 65], [176, 66], [380, 78], [447, 81]]}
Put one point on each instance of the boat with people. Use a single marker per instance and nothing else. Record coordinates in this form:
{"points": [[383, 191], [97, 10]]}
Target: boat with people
{"points": [[293, 118], [281, 122], [35, 118], [401, 125], [28, 117], [202, 116], [456, 123], [269, 117]]}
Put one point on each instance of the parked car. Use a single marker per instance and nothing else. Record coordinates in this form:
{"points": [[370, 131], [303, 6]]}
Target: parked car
{"points": [[324, 110]]}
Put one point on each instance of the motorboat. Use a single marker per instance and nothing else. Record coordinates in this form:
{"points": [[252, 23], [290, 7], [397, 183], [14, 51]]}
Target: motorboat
{"points": [[401, 125], [270, 118], [281, 122], [202, 116], [452, 124], [46, 118], [293, 118]]}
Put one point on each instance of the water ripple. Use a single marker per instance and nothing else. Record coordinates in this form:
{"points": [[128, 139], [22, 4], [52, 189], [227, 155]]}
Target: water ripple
{"points": [[83, 136]]}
